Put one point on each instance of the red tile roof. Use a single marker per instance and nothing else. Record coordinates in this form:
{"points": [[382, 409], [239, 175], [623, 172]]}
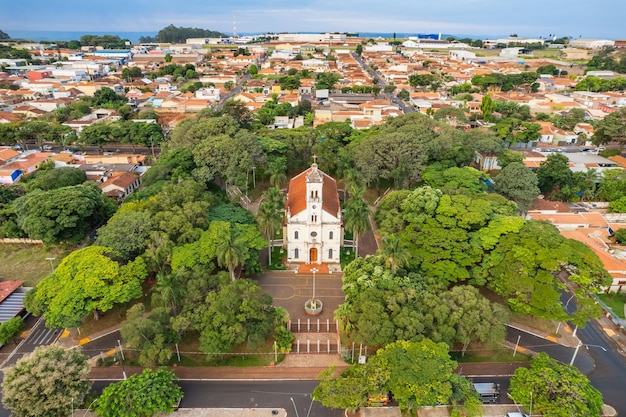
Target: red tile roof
{"points": [[7, 288], [296, 194]]}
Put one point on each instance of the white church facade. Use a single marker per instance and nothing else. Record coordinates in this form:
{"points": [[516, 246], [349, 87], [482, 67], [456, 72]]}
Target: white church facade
{"points": [[313, 228]]}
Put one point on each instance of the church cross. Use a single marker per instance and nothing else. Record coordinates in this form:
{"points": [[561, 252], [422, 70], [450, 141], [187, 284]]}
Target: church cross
{"points": [[314, 159]]}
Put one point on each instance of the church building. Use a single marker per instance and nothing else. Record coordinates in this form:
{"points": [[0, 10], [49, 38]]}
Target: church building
{"points": [[313, 230]]}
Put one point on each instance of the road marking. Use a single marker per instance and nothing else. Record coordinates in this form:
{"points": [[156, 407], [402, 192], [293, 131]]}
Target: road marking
{"points": [[25, 334], [84, 341], [608, 331], [65, 334], [522, 349], [551, 338], [111, 352]]}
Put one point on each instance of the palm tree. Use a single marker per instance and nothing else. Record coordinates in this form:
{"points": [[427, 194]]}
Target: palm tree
{"points": [[170, 289], [274, 197], [396, 256], [269, 219], [277, 171], [230, 251], [356, 217]]}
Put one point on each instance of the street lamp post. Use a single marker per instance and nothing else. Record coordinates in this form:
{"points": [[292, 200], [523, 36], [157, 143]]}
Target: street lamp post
{"points": [[313, 302], [51, 264], [580, 343]]}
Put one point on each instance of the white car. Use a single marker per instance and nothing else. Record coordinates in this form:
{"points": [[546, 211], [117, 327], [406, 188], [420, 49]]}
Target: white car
{"points": [[47, 148], [537, 150], [516, 414]]}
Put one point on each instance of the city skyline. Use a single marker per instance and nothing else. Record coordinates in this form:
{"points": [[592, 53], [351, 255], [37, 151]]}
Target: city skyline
{"points": [[533, 18]]}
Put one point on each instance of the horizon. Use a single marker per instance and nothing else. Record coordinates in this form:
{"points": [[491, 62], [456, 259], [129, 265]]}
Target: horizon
{"points": [[473, 18]]}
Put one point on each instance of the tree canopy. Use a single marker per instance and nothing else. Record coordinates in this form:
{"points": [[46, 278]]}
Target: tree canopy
{"points": [[140, 395], [64, 214], [416, 373], [50, 382], [87, 281], [555, 389]]}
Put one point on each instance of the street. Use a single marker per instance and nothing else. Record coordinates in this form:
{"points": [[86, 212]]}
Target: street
{"points": [[293, 396], [39, 335]]}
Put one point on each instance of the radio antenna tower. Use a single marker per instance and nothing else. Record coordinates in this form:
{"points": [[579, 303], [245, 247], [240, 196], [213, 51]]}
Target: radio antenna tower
{"points": [[234, 24]]}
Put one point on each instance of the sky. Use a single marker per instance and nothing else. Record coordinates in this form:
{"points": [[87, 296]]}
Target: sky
{"points": [[489, 18]]}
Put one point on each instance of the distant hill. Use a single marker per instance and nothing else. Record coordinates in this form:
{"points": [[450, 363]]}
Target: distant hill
{"points": [[173, 34], [4, 35]]}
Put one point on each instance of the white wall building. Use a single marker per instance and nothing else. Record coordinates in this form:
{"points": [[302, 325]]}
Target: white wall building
{"points": [[313, 231]]}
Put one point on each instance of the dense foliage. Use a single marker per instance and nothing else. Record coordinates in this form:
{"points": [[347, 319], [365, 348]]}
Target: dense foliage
{"points": [[87, 281], [555, 389], [50, 382], [141, 395], [173, 34], [415, 373]]}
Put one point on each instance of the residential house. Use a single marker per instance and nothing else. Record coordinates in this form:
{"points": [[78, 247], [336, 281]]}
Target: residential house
{"points": [[120, 185]]}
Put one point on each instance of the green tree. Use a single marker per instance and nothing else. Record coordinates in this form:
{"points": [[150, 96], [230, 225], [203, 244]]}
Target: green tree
{"points": [[168, 57], [107, 98], [359, 49], [64, 214], [508, 156], [420, 373], [487, 106], [395, 255], [356, 218], [555, 389], [127, 233], [141, 395], [553, 173], [518, 183], [611, 128], [150, 334], [618, 206], [49, 382], [239, 312], [230, 250], [326, 80], [348, 391], [87, 281], [269, 219], [58, 178], [10, 329]]}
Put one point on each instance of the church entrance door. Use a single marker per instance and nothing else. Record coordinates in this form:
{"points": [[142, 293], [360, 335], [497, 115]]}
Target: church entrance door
{"points": [[313, 255]]}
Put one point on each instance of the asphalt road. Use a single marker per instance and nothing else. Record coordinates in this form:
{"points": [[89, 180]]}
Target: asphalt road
{"points": [[293, 396], [39, 335]]}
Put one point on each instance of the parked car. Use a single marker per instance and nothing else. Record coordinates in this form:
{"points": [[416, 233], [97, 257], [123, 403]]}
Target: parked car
{"points": [[17, 147], [601, 148], [537, 150], [516, 414], [47, 147]]}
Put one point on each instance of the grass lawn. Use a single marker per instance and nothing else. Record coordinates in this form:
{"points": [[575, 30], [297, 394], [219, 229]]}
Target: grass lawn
{"points": [[500, 355], [346, 256], [28, 262], [615, 301], [114, 316], [277, 259], [241, 356]]}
